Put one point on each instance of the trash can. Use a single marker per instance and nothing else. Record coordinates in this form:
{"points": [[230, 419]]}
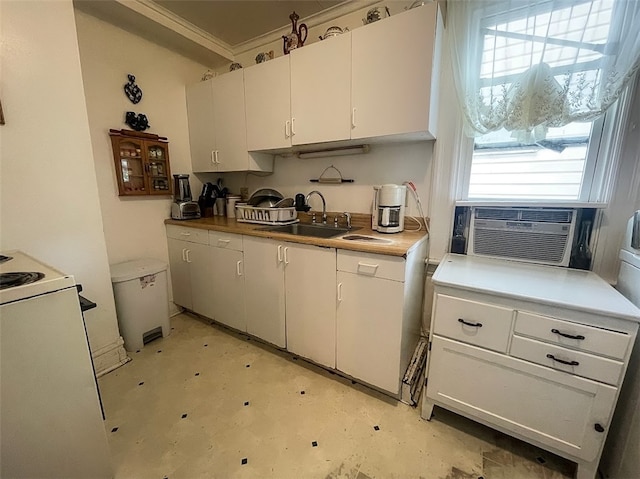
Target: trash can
{"points": [[142, 302]]}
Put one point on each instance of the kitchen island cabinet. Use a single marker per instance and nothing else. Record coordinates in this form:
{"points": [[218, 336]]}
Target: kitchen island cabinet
{"points": [[538, 352], [394, 75], [217, 127]]}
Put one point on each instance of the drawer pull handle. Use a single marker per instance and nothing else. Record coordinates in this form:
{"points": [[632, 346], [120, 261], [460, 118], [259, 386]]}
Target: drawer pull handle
{"points": [[570, 336], [568, 363], [475, 325]]}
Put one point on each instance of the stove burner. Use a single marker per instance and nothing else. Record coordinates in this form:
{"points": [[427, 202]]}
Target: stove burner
{"points": [[18, 278], [4, 259]]}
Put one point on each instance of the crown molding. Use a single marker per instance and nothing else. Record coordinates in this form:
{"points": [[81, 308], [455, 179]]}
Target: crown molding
{"points": [[168, 19], [325, 16]]}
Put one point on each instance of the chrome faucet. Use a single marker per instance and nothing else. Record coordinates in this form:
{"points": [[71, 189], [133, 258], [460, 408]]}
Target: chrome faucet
{"points": [[348, 217], [324, 205]]}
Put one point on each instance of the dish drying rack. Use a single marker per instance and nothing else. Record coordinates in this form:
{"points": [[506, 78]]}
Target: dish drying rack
{"points": [[266, 216]]}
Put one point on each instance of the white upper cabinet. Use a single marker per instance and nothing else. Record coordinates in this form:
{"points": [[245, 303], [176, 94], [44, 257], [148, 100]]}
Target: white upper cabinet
{"points": [[320, 91], [394, 75], [200, 116], [217, 127], [267, 90]]}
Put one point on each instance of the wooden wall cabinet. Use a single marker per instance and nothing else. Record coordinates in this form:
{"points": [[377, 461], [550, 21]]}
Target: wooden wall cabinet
{"points": [[142, 163]]}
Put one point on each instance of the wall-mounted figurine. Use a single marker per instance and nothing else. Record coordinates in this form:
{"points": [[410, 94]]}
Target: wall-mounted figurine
{"points": [[133, 91], [138, 122]]}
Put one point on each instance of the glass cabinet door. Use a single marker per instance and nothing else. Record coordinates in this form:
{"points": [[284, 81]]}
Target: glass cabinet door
{"points": [[132, 168], [157, 154]]}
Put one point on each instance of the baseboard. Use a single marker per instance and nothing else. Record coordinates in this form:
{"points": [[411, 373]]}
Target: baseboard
{"points": [[110, 357], [174, 309]]}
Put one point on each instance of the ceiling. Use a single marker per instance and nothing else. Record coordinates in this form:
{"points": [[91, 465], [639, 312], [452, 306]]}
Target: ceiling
{"points": [[212, 32], [235, 22]]}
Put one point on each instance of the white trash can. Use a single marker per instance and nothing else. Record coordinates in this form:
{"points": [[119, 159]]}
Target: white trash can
{"points": [[142, 302]]}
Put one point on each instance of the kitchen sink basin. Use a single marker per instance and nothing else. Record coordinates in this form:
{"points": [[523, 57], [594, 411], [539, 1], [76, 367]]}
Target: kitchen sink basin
{"points": [[316, 231]]}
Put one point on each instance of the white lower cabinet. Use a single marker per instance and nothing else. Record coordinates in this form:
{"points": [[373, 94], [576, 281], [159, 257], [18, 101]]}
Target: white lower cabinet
{"points": [[310, 297], [227, 279], [556, 409], [190, 265], [546, 372], [368, 329], [264, 286]]}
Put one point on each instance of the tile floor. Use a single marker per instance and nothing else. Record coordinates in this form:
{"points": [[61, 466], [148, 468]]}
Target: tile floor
{"points": [[209, 403]]}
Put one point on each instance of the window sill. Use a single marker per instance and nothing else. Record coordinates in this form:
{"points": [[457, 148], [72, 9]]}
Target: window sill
{"points": [[532, 203]]}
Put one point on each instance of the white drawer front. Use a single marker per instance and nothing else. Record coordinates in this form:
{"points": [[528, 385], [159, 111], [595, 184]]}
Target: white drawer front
{"points": [[376, 265], [581, 364], [481, 324], [578, 336], [193, 235], [220, 239]]}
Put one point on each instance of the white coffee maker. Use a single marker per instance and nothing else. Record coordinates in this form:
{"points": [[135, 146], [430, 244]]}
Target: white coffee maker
{"points": [[388, 208]]}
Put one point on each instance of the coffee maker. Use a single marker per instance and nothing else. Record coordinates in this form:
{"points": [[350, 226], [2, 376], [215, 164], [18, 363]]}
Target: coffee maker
{"points": [[388, 208], [183, 208]]}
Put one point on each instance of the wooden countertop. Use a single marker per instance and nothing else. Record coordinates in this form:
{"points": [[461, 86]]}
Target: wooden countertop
{"points": [[397, 244]]}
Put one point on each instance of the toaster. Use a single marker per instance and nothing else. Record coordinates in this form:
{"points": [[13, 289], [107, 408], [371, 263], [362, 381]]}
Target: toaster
{"points": [[185, 210]]}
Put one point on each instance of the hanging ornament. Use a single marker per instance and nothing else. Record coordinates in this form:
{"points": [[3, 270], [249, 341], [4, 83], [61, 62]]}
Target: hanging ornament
{"points": [[138, 122], [133, 91]]}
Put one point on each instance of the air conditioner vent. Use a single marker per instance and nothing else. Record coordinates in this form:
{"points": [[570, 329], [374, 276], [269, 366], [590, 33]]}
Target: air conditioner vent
{"points": [[535, 235], [497, 214]]}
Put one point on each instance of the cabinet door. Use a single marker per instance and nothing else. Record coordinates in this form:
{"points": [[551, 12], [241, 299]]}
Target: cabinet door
{"points": [[320, 91], [550, 407], [264, 287], [310, 279], [267, 90], [392, 64], [369, 329], [229, 121], [202, 133], [130, 166], [157, 168], [228, 288], [180, 276], [199, 260]]}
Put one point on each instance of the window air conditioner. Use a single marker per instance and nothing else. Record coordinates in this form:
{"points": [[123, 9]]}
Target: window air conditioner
{"points": [[533, 235]]}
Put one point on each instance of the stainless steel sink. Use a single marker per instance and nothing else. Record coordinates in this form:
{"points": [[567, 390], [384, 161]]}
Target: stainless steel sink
{"points": [[316, 231]]}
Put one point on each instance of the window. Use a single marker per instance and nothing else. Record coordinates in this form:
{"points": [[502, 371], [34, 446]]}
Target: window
{"points": [[540, 72]]}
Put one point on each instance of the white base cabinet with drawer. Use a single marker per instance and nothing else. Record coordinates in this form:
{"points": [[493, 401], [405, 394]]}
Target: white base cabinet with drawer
{"points": [[511, 349], [379, 312], [190, 266]]}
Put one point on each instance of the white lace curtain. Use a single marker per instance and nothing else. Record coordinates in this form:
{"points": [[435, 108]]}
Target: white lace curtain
{"points": [[526, 66]]}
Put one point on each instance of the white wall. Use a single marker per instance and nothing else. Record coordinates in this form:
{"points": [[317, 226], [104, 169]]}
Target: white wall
{"points": [[133, 227], [393, 163], [49, 203]]}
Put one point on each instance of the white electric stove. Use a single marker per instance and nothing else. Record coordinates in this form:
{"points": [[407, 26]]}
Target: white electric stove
{"points": [[50, 419]]}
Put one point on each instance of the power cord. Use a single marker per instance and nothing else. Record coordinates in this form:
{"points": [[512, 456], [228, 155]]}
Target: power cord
{"points": [[416, 197]]}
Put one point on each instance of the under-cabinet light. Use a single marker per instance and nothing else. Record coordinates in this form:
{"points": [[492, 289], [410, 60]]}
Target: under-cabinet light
{"points": [[340, 151]]}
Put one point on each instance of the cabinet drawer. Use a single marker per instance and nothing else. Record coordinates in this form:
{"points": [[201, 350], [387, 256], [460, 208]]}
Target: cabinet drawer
{"points": [[584, 338], [581, 364], [220, 239], [193, 235], [481, 324], [376, 265]]}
